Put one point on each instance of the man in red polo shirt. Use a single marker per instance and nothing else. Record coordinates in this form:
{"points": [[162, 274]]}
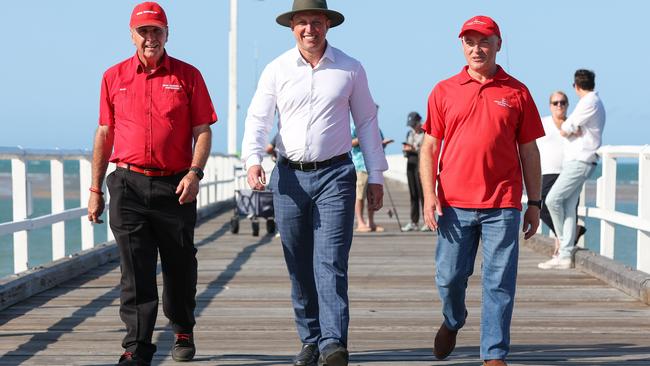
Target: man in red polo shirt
{"points": [[488, 122], [152, 107]]}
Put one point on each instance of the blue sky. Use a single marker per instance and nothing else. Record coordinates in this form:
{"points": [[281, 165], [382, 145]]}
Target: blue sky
{"points": [[54, 54]]}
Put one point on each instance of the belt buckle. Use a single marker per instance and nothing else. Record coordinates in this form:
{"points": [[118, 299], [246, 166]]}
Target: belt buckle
{"points": [[151, 172]]}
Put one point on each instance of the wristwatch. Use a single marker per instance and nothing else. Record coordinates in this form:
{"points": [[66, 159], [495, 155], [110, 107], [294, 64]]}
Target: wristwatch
{"points": [[535, 203], [198, 171]]}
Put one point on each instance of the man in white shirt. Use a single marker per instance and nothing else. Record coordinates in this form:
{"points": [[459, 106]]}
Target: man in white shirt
{"points": [[314, 88], [584, 129]]}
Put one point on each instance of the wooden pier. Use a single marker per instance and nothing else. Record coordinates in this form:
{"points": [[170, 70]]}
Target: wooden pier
{"points": [[244, 314]]}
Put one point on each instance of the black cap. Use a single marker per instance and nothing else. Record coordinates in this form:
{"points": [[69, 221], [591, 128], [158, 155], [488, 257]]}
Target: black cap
{"points": [[413, 119]]}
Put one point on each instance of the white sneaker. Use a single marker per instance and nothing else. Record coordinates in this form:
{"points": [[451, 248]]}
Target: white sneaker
{"points": [[556, 263], [410, 227], [425, 228]]}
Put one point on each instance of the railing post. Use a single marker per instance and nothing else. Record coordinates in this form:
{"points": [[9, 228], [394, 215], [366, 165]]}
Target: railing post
{"points": [[19, 200], [203, 196], [643, 237], [58, 205], [233, 177], [221, 175], [87, 233], [211, 173], [608, 203]]}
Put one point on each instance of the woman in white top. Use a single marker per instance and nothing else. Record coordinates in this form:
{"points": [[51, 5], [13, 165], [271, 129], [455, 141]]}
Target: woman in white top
{"points": [[551, 150]]}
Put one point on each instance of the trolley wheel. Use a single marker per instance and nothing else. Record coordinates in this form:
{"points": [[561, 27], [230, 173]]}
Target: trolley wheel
{"points": [[270, 226], [234, 225], [255, 226]]}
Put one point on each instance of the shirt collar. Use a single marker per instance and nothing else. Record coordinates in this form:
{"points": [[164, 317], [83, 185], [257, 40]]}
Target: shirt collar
{"points": [[139, 68], [328, 54], [464, 78]]}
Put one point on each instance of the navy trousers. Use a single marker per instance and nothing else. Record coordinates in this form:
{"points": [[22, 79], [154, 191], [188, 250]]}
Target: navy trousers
{"points": [[314, 211]]}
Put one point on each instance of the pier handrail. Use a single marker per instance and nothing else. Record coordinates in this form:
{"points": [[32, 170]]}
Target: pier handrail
{"points": [[605, 208], [222, 176]]}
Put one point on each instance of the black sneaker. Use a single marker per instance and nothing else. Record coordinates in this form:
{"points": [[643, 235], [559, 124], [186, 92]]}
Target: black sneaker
{"points": [[308, 355], [128, 358], [334, 354], [184, 349]]}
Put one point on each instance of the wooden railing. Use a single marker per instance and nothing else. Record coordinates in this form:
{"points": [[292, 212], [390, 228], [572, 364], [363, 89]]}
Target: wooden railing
{"points": [[605, 208], [222, 176]]}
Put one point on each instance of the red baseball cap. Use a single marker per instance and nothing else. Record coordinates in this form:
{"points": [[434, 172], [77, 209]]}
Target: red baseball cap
{"points": [[148, 13], [482, 24]]}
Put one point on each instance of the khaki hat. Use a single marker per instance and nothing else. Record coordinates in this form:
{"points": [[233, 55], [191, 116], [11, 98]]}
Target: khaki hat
{"points": [[335, 17]]}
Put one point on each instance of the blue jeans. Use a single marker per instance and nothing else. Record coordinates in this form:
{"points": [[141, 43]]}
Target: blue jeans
{"points": [[459, 233], [315, 215], [562, 200]]}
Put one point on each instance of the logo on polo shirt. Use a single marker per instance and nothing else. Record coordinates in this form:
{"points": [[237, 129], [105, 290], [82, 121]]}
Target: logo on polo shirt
{"points": [[503, 103], [172, 86]]}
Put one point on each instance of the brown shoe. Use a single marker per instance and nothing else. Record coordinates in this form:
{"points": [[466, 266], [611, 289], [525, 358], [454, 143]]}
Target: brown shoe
{"points": [[444, 342], [494, 363]]}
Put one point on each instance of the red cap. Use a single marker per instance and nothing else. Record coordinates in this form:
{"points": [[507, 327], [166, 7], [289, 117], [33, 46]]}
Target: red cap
{"points": [[482, 24], [148, 13]]}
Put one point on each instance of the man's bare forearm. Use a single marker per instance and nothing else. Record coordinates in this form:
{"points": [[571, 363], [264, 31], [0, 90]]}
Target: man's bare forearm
{"points": [[102, 148], [202, 145], [532, 171], [429, 153]]}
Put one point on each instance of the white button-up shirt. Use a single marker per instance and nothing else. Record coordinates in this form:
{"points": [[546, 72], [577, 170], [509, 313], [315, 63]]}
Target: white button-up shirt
{"points": [[589, 116], [313, 107]]}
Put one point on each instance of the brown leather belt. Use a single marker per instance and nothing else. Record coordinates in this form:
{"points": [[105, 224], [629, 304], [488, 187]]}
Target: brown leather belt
{"points": [[315, 165], [149, 172]]}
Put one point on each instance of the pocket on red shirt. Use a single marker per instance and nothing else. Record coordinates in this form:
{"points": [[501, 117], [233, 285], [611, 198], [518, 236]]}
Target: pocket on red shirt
{"points": [[123, 104], [176, 105]]}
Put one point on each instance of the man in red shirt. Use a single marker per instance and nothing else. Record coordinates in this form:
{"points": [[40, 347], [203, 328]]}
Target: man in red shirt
{"points": [[488, 122], [152, 107]]}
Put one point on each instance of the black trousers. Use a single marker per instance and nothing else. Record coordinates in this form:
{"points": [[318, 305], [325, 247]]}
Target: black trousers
{"points": [[147, 220], [415, 189], [547, 182]]}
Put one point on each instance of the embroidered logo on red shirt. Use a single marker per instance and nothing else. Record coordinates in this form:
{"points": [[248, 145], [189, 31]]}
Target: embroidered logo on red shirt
{"points": [[503, 103], [172, 86]]}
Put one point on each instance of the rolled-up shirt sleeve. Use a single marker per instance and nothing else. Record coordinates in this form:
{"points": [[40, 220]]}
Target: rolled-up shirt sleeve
{"points": [[584, 112], [364, 114], [259, 119]]}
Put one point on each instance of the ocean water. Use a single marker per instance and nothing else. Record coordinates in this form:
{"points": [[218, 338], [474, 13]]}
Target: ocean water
{"points": [[40, 240], [40, 247]]}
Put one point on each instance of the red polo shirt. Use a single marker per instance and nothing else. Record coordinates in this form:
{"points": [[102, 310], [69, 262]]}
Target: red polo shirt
{"points": [[153, 114], [481, 125]]}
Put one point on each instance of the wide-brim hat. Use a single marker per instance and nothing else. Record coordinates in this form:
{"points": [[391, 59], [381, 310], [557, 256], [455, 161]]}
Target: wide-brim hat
{"points": [[335, 17]]}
